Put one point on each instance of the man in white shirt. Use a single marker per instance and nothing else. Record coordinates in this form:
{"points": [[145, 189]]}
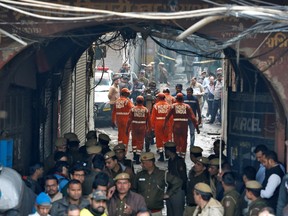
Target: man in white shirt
{"points": [[273, 177]]}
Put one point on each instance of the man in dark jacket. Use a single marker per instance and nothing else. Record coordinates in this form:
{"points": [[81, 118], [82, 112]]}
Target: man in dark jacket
{"points": [[273, 177], [74, 196], [193, 102]]}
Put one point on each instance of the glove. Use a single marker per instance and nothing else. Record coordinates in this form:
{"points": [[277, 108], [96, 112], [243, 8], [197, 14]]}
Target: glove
{"points": [[113, 125]]}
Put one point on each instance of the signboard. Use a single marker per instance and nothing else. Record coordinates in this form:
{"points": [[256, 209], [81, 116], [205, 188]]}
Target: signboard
{"points": [[251, 122], [261, 125]]}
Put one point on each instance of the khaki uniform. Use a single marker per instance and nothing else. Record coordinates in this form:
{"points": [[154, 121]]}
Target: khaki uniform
{"points": [[230, 203], [212, 208], [213, 184], [122, 169], [152, 187], [192, 181], [256, 206]]}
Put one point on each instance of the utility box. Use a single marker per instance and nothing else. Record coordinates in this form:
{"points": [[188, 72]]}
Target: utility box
{"points": [[6, 152]]}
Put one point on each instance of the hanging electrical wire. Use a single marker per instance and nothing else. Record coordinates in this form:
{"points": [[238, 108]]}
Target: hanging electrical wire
{"points": [[270, 18]]}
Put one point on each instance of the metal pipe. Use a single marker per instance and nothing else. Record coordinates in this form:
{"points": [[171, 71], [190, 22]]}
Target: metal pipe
{"points": [[13, 37], [196, 26]]}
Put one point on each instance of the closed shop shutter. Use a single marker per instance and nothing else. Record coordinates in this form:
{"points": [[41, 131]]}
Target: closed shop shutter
{"points": [[18, 124], [66, 101], [47, 125], [81, 98]]}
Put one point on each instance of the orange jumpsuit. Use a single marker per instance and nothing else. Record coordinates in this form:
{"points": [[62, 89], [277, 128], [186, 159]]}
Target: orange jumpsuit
{"points": [[181, 112], [120, 117], [169, 98], [159, 112], [139, 120]]}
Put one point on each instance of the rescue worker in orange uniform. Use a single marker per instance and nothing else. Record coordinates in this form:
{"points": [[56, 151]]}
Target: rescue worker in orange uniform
{"points": [[168, 97], [120, 116], [159, 112], [139, 120], [181, 112]]}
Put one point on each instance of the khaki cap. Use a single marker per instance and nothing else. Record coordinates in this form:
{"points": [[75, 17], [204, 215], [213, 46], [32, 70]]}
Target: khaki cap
{"points": [[61, 141], [203, 160], [253, 185], [109, 154], [119, 147], [91, 142], [147, 156], [71, 137], [202, 187], [104, 137], [122, 176], [196, 149], [94, 149], [170, 144], [215, 162]]}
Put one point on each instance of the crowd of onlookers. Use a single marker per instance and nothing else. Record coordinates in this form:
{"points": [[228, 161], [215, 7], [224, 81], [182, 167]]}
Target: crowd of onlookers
{"points": [[97, 178]]}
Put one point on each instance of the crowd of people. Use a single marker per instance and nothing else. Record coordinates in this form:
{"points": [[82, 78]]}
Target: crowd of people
{"points": [[98, 179]]}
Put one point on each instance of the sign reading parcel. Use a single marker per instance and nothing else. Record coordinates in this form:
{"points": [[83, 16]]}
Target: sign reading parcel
{"points": [[257, 124]]}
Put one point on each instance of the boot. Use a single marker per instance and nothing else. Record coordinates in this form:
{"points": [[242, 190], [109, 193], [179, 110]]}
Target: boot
{"points": [[134, 156], [161, 158], [137, 161]]}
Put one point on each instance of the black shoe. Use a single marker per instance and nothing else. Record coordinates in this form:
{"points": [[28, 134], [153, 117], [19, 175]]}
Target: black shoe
{"points": [[137, 161], [134, 156], [161, 159]]}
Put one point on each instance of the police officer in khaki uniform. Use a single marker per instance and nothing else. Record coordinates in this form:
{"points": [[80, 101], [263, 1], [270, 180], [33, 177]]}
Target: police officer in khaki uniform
{"points": [[253, 189], [176, 167], [103, 141], [113, 167], [124, 201], [195, 151], [89, 144], [206, 204], [120, 152], [213, 173], [198, 173], [89, 178], [73, 147], [60, 145], [152, 184], [231, 197]]}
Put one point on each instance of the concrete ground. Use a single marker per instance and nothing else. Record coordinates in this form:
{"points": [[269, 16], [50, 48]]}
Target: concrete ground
{"points": [[208, 133]]}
